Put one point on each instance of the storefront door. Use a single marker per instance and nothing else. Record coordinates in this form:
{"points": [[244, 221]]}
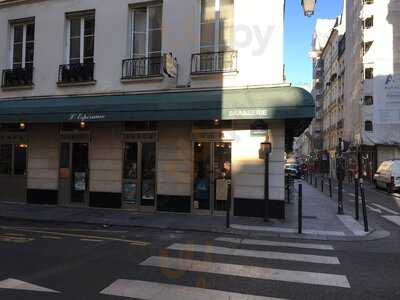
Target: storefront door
{"points": [[212, 176], [139, 174], [74, 173]]}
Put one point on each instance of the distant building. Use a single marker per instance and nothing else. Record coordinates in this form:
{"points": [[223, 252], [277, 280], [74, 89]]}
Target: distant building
{"points": [[372, 83]]}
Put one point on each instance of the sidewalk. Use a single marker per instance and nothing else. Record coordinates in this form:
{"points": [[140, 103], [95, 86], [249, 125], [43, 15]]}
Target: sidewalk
{"points": [[319, 220]]}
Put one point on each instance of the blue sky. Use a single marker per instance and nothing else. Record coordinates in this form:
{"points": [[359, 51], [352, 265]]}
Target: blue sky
{"points": [[298, 34]]}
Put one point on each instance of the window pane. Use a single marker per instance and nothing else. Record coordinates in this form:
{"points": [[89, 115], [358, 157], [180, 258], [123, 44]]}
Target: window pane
{"points": [[75, 48], [226, 10], [64, 155], [89, 25], [148, 171], [207, 34], [29, 52], [89, 46], [226, 35], [74, 61], [139, 47], [155, 16], [30, 32], [5, 159], [18, 33], [139, 19], [75, 29], [130, 161], [207, 10], [17, 55], [16, 66], [20, 159], [155, 41]]}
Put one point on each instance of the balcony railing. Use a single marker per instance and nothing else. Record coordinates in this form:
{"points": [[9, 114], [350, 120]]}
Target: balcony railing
{"points": [[17, 77], [214, 63], [143, 67], [76, 73]]}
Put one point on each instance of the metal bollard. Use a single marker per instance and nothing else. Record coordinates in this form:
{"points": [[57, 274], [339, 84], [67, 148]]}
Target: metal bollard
{"points": [[228, 212], [322, 184], [316, 182], [330, 187], [364, 206], [300, 209], [356, 198], [340, 197]]}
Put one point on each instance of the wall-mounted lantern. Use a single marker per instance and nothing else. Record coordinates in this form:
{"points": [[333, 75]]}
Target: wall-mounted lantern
{"points": [[308, 7]]}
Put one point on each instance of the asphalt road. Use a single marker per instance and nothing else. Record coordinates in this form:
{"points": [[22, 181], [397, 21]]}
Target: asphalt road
{"points": [[44, 261]]}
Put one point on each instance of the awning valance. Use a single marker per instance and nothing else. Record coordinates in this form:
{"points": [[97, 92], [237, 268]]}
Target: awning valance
{"points": [[252, 103]]}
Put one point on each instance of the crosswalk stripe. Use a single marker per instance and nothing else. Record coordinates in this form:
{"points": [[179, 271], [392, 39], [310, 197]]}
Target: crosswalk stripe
{"points": [[286, 230], [393, 219], [390, 211], [248, 271], [155, 291], [15, 284], [318, 259], [274, 243]]}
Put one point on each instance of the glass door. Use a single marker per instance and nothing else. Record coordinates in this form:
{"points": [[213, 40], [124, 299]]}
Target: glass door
{"points": [[74, 173], [139, 174], [212, 176]]}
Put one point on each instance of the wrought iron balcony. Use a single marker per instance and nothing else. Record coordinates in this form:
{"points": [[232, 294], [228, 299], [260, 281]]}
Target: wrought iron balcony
{"points": [[17, 77], [143, 67], [214, 63], [76, 73]]}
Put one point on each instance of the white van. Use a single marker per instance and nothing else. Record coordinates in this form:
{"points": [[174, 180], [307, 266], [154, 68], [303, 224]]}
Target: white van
{"points": [[388, 175]]}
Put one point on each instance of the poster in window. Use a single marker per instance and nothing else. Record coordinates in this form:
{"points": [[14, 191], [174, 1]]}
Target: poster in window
{"points": [[130, 192], [221, 192], [80, 181], [148, 189]]}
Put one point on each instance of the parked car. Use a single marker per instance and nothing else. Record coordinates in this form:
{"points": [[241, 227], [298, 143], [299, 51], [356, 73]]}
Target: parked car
{"points": [[292, 172], [388, 175]]}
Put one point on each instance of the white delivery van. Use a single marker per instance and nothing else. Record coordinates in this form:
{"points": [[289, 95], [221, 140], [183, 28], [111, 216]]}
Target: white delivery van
{"points": [[388, 175]]}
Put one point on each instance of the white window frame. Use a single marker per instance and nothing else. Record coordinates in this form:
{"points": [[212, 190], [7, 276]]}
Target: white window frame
{"points": [[132, 30], [23, 58], [81, 38], [217, 19]]}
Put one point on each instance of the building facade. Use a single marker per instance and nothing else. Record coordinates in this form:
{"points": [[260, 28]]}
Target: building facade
{"points": [[145, 105], [371, 84], [333, 96]]}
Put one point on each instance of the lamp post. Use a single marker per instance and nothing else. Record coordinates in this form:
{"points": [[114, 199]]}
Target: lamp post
{"points": [[308, 7], [265, 151]]}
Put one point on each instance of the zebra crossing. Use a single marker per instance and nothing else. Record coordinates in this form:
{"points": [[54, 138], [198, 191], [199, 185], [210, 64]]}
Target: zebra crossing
{"points": [[225, 249]]}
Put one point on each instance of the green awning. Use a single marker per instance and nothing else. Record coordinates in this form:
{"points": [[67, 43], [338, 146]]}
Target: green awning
{"points": [[252, 103]]}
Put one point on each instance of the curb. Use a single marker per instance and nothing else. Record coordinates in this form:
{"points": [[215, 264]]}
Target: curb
{"points": [[373, 235]]}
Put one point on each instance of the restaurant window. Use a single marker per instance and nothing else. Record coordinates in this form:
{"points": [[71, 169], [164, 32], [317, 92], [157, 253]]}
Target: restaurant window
{"points": [[13, 159], [80, 40], [146, 31], [22, 44], [217, 25]]}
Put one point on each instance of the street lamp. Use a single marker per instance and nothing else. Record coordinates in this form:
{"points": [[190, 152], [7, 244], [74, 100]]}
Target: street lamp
{"points": [[308, 7], [265, 151]]}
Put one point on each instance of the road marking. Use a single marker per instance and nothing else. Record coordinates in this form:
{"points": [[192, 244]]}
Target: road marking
{"points": [[15, 284], [377, 210], [91, 240], [385, 209], [50, 237], [155, 291], [131, 242], [317, 259], [286, 230], [247, 271], [274, 244], [15, 239], [393, 219], [71, 229], [352, 225]]}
